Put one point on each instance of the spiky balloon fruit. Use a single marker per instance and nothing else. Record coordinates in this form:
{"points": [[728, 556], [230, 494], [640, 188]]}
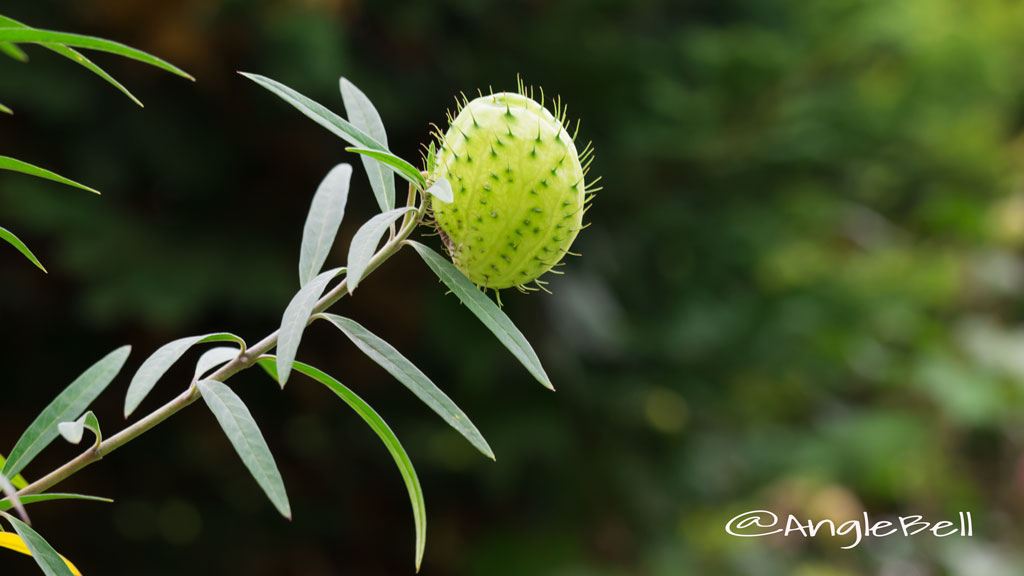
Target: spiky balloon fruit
{"points": [[518, 186]]}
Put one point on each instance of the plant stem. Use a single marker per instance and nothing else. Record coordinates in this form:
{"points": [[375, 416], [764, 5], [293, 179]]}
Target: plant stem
{"points": [[243, 361]]}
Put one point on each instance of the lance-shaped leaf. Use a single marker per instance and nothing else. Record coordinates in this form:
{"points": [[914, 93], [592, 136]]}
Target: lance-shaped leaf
{"points": [[68, 405], [393, 163], [442, 190], [12, 50], [325, 215], [73, 431], [318, 113], [26, 168], [34, 498], [70, 54], [431, 159], [51, 563], [5, 109], [365, 241], [157, 365], [243, 433], [214, 358], [18, 481], [416, 381], [486, 310], [38, 36], [371, 417], [296, 317], [364, 116], [11, 497], [10, 238]]}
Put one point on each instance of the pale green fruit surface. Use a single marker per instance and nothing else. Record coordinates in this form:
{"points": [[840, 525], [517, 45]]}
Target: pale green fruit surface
{"points": [[518, 190]]}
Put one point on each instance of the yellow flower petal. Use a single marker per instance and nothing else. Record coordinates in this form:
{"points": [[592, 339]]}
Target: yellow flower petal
{"points": [[12, 541]]}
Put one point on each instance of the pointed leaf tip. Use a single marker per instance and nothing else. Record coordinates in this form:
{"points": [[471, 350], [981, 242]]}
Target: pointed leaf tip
{"points": [[486, 310], [245, 436], [318, 113], [13, 165], [387, 357], [11, 497], [74, 56], [34, 498], [377, 424], [364, 116], [46, 37], [294, 321], [326, 212], [20, 246]]}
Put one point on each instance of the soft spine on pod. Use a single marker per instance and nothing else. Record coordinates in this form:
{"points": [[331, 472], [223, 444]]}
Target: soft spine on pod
{"points": [[519, 188]]}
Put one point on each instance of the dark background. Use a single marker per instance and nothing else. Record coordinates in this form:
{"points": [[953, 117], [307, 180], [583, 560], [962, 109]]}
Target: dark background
{"points": [[801, 289]]}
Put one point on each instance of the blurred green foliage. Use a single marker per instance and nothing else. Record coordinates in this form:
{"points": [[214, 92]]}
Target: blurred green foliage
{"points": [[800, 292]]}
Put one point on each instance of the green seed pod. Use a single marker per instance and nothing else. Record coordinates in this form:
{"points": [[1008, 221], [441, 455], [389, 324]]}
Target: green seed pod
{"points": [[519, 191]]}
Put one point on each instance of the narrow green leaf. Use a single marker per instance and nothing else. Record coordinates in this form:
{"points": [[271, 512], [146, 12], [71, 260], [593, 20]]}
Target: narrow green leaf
{"points": [[243, 433], [68, 405], [486, 310], [409, 375], [45, 37], [26, 168], [34, 498], [364, 116], [73, 431], [18, 481], [214, 358], [45, 556], [6, 110], [442, 190], [368, 414], [393, 163], [12, 50], [161, 361], [431, 158], [296, 318], [318, 113], [13, 240], [325, 215], [365, 242], [74, 56]]}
